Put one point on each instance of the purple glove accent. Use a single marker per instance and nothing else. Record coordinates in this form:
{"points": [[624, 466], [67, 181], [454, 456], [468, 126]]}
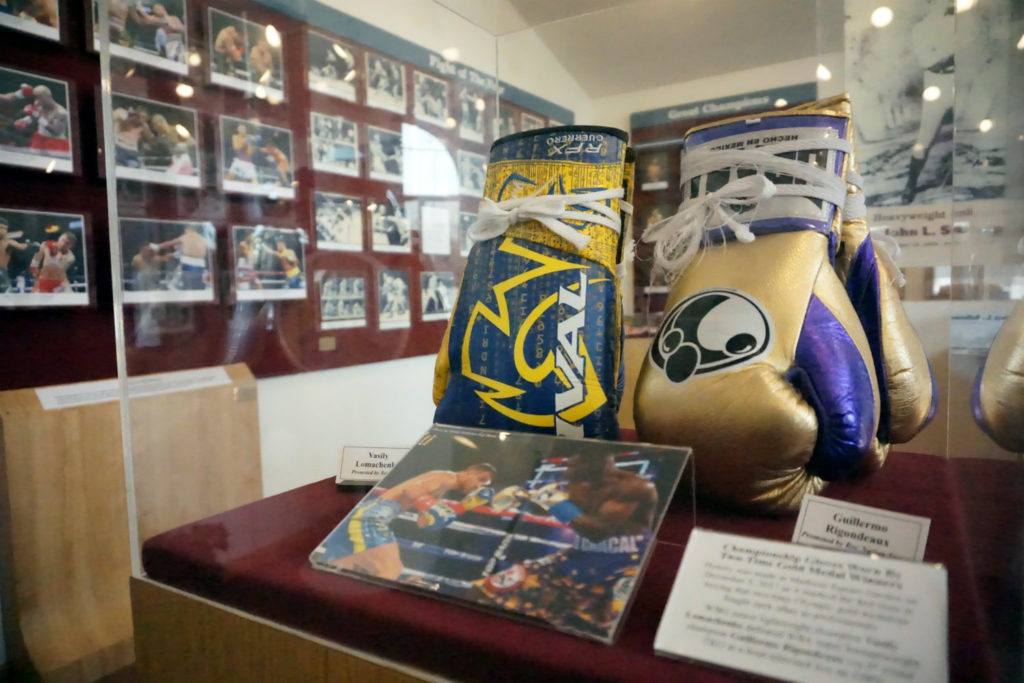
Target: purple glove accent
{"points": [[831, 373], [979, 414], [862, 286]]}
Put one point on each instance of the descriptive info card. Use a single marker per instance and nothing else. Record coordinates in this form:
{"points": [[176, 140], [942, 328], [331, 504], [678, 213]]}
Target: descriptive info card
{"points": [[805, 614]]}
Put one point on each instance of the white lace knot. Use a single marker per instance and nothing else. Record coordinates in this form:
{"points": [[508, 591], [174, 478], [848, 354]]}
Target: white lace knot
{"points": [[551, 211]]}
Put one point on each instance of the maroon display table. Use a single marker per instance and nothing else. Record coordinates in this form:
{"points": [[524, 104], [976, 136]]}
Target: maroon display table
{"points": [[255, 558]]}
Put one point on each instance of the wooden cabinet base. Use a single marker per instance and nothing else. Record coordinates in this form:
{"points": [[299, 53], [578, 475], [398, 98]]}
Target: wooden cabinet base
{"points": [[182, 637]]}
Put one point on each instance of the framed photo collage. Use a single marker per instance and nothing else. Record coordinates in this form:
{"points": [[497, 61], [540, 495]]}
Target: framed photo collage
{"points": [[258, 159]]}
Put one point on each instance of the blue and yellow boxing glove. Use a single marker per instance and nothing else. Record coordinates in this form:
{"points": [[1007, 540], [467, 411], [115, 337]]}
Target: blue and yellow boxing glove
{"points": [[760, 363], [534, 340]]}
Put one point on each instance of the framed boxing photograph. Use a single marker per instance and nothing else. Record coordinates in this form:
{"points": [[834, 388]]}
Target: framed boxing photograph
{"points": [[43, 259], [430, 100], [472, 113], [334, 144], [37, 122], [498, 532], [151, 32], [389, 225], [653, 170], [385, 83], [331, 66], [256, 158], [246, 56], [436, 221], [507, 121], [342, 299], [531, 122], [437, 294], [385, 154], [155, 142], [466, 221], [472, 172], [167, 261], [393, 299], [339, 221], [36, 17], [270, 262]]}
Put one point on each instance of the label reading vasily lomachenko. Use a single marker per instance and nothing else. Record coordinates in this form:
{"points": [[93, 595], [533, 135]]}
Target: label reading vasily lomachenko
{"points": [[533, 343]]}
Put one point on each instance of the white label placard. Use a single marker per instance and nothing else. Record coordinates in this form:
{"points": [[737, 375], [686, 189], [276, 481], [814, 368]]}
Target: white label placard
{"points": [[367, 464], [437, 235], [86, 393], [806, 614], [829, 523]]}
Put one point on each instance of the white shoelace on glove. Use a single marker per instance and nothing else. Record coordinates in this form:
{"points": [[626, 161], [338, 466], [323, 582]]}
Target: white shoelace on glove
{"points": [[550, 210], [678, 238]]}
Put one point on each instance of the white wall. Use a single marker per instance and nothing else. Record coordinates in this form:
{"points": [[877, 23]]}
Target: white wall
{"points": [[306, 419], [614, 110]]}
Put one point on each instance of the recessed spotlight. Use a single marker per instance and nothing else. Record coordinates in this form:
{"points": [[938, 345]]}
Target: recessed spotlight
{"points": [[882, 16], [964, 5], [823, 73], [182, 131], [780, 103], [932, 93], [184, 90], [985, 125], [450, 53]]}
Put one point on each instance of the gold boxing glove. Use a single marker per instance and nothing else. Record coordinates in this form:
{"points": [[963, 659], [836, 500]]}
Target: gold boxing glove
{"points": [[760, 363], [907, 392], [998, 398]]}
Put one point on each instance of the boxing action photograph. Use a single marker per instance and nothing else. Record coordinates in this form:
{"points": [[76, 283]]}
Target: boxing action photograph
{"points": [[155, 142], [332, 66], [437, 294], [342, 300], [339, 221], [550, 530], [270, 262], [167, 261], [393, 299], [334, 143], [385, 83], [472, 113], [389, 224], [256, 158], [430, 103], [466, 220], [147, 32], [37, 17], [42, 259], [246, 56], [472, 172], [35, 126], [385, 154]]}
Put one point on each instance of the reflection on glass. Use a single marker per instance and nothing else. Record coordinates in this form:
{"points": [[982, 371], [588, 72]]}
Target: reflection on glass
{"points": [[428, 170]]}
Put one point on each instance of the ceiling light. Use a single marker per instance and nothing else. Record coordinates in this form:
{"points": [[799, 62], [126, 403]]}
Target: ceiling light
{"points": [[882, 16], [184, 90], [823, 73], [1020, 43], [985, 125], [481, 105], [195, 59], [964, 5], [780, 103], [450, 53], [260, 92], [273, 36], [350, 76], [52, 165], [931, 93], [182, 131], [451, 122]]}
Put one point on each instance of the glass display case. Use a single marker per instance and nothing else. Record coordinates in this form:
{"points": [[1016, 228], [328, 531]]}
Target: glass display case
{"points": [[234, 233]]}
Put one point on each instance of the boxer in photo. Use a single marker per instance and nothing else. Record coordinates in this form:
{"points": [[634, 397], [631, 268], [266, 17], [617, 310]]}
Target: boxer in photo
{"points": [[50, 264], [365, 543], [7, 246]]}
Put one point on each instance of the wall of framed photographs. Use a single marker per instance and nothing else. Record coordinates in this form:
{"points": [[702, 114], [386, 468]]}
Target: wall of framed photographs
{"points": [[294, 185]]}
